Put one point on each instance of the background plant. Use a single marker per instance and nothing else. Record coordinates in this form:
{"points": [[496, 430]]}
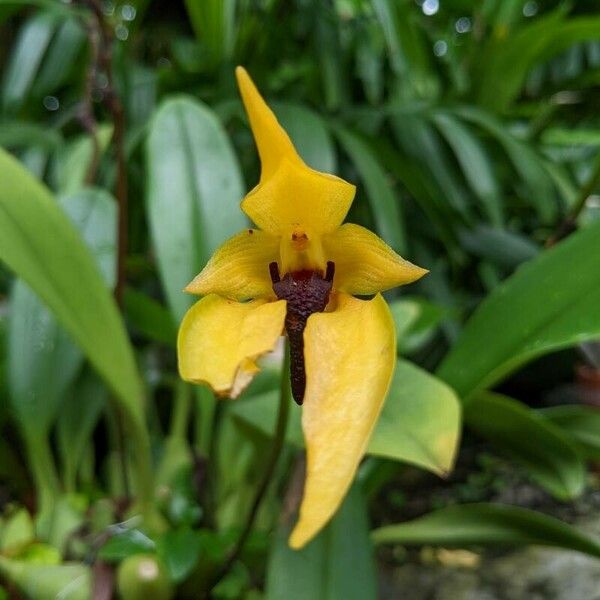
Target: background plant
{"points": [[471, 131]]}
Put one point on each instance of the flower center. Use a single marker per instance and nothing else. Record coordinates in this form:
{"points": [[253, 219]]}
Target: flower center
{"points": [[305, 292]]}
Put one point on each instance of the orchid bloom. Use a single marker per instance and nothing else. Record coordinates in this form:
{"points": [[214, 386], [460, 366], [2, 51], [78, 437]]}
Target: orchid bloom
{"points": [[300, 271]]}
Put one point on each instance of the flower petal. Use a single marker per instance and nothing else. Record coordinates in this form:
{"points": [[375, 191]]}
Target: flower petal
{"points": [[364, 263], [290, 196], [350, 355], [272, 141], [298, 198], [219, 341], [239, 269]]}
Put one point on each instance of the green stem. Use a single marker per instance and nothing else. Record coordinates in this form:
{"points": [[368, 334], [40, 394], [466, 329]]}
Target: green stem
{"points": [[181, 410], [285, 398], [45, 478], [569, 224], [206, 405]]}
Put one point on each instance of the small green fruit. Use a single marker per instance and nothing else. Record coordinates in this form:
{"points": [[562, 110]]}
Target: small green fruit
{"points": [[143, 577]]}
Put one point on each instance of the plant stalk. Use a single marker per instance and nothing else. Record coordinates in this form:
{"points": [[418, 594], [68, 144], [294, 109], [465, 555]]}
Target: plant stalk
{"points": [[285, 398], [570, 223]]}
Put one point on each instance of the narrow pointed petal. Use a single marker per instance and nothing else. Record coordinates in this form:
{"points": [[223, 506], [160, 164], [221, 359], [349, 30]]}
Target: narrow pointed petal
{"points": [[239, 269], [271, 139], [350, 355], [364, 263], [220, 340], [290, 197]]}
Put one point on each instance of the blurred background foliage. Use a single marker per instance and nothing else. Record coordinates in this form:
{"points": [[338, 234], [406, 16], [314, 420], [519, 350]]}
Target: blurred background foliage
{"points": [[471, 130]]}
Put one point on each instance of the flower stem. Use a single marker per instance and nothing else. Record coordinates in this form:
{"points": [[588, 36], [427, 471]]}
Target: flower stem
{"points": [[570, 223], [278, 442], [181, 410], [45, 479]]}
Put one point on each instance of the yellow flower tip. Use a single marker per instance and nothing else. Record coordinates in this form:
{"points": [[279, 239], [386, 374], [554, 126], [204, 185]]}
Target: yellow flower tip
{"points": [[299, 537], [273, 143]]}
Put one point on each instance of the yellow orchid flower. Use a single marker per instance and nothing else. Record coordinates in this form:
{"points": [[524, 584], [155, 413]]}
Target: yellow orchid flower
{"points": [[300, 271]]}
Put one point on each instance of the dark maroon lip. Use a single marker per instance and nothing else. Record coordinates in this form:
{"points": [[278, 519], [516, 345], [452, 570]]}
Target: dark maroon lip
{"points": [[306, 292]]}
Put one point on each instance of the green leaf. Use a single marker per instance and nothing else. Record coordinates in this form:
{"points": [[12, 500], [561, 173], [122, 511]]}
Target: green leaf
{"points": [[500, 246], [179, 551], [527, 163], [64, 49], [61, 270], [16, 532], [213, 22], [309, 135], [419, 140], [559, 136], [49, 582], [149, 317], [385, 206], [475, 164], [337, 564], [419, 424], [548, 304], [486, 525], [125, 544], [73, 160], [581, 424], [505, 62], [420, 421], [79, 415], [26, 57], [531, 440], [194, 192], [43, 361]]}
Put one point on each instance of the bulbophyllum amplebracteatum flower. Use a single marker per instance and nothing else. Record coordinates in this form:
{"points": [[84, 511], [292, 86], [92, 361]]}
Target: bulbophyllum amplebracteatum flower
{"points": [[299, 272]]}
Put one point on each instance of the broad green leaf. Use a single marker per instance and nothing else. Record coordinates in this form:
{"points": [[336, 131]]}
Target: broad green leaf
{"points": [[419, 424], [581, 424], [337, 564], [486, 525], [385, 206], [26, 57], [43, 361], [309, 134], [48, 582], [533, 441], [194, 191], [61, 270], [475, 164], [549, 303]]}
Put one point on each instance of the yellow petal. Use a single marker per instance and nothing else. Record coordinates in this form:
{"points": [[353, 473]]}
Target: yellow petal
{"points": [[297, 198], [239, 269], [291, 196], [219, 341], [350, 355], [271, 139], [364, 263]]}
